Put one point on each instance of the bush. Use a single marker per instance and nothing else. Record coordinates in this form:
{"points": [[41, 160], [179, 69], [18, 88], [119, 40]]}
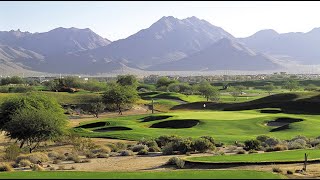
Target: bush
{"points": [[33, 157], [126, 153], [295, 145], [164, 140], [279, 147], [252, 151], [56, 161], [289, 172], [102, 155], [262, 138], [219, 144], [52, 169], [148, 142], [202, 145], [208, 138], [90, 155], [277, 170], [6, 167], [113, 147], [139, 147], [231, 148], [105, 150], [143, 152], [251, 144], [37, 167], [73, 157], [12, 152], [271, 142], [241, 151], [62, 167], [121, 145], [154, 149], [24, 163], [176, 161], [56, 155], [167, 149]]}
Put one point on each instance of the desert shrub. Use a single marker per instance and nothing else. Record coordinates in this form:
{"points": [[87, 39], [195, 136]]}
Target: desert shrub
{"points": [[121, 145], [251, 144], [85, 161], [241, 151], [176, 161], [208, 138], [277, 170], [219, 153], [12, 152], [289, 172], [167, 149], [219, 144], [126, 153], [62, 167], [251, 151], [279, 147], [148, 142], [52, 169], [24, 163], [106, 150], [314, 142], [143, 152], [90, 154], [6, 167], [102, 155], [262, 138], [37, 167], [139, 147], [231, 148], [57, 155], [56, 161], [297, 144], [300, 137], [165, 139], [73, 157], [238, 144], [154, 149], [113, 147], [188, 154], [202, 145], [73, 168], [317, 146], [33, 157], [14, 165], [270, 142]]}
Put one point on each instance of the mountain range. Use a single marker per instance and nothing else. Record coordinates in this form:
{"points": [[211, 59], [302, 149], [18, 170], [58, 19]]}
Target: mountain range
{"points": [[169, 44]]}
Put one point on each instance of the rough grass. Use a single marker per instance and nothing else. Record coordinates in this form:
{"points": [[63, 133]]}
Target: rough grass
{"points": [[177, 174], [279, 156]]}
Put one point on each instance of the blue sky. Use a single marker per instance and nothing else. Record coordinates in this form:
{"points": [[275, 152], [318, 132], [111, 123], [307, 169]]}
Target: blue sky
{"points": [[119, 19]]}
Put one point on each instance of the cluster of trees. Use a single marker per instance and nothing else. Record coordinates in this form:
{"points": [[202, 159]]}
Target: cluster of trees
{"points": [[65, 84], [12, 80]]}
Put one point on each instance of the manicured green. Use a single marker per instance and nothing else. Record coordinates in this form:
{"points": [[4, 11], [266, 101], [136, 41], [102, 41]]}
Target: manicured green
{"points": [[280, 156], [224, 126], [177, 174]]}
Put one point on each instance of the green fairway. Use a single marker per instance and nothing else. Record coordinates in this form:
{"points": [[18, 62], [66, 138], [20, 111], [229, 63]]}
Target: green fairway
{"points": [[177, 174], [293, 155], [224, 126]]}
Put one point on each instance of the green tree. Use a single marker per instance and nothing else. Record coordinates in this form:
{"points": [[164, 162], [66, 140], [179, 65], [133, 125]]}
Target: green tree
{"points": [[96, 108], [16, 112], [119, 96], [269, 88], [291, 85], [235, 92], [127, 80], [208, 91], [35, 126], [164, 81]]}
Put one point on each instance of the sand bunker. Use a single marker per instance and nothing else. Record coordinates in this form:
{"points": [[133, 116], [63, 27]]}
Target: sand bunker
{"points": [[175, 124], [282, 123], [115, 128], [154, 118], [94, 125]]}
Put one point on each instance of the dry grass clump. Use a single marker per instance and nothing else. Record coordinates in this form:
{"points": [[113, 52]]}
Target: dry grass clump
{"points": [[24, 163], [33, 157], [6, 167]]}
